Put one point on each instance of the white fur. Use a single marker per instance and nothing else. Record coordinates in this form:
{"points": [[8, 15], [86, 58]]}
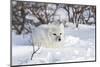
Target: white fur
{"points": [[44, 35]]}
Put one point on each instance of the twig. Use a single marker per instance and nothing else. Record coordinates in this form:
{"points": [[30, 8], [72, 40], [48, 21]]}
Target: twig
{"points": [[34, 51]]}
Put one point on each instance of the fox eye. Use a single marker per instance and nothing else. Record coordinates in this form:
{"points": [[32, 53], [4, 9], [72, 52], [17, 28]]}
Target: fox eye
{"points": [[60, 33], [54, 34]]}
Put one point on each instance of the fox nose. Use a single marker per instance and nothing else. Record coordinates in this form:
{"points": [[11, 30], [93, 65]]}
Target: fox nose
{"points": [[59, 39]]}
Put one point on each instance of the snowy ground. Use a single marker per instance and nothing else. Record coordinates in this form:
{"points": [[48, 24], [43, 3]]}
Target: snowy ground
{"points": [[79, 46]]}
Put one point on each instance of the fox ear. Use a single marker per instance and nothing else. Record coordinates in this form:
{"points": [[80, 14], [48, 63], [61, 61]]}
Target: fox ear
{"points": [[49, 23], [61, 25]]}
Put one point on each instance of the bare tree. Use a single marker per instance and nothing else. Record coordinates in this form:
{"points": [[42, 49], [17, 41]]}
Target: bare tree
{"points": [[18, 17], [45, 13]]}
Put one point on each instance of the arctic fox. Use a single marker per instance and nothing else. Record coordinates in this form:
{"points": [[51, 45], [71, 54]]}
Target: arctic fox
{"points": [[48, 35]]}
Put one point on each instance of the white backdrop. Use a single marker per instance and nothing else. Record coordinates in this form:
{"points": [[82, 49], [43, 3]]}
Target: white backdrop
{"points": [[5, 33]]}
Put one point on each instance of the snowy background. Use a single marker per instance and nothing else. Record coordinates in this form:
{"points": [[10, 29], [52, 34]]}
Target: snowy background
{"points": [[79, 43]]}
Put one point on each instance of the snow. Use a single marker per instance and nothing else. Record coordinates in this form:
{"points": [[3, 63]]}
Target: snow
{"points": [[31, 17], [62, 14], [18, 40], [86, 13], [91, 20], [79, 45]]}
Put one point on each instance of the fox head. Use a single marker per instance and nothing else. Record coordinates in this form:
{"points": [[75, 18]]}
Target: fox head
{"points": [[56, 32]]}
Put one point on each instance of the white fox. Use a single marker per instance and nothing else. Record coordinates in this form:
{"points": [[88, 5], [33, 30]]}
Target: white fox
{"points": [[48, 35]]}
